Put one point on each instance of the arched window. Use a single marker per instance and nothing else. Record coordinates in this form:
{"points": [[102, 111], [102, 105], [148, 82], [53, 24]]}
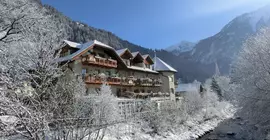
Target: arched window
{"points": [[172, 90]]}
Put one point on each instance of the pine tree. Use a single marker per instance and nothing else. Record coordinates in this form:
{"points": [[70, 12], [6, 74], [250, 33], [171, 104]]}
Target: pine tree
{"points": [[215, 87]]}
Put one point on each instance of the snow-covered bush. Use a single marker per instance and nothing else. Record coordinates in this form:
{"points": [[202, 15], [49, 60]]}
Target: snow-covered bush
{"points": [[107, 103], [192, 111], [193, 102]]}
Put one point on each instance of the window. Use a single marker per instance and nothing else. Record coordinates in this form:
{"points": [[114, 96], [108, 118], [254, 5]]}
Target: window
{"points": [[136, 91], [97, 72], [108, 73], [127, 62], [64, 53], [171, 78], [101, 55], [83, 72]]}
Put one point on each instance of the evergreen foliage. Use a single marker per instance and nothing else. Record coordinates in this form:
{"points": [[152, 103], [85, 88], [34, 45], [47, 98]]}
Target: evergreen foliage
{"points": [[215, 87]]}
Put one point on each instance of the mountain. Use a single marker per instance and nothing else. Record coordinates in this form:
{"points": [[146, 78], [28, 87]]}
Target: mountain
{"points": [[183, 46], [198, 63], [224, 46]]}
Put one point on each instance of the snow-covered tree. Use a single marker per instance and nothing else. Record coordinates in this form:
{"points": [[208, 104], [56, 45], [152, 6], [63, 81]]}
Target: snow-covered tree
{"points": [[251, 73], [108, 104], [36, 89]]}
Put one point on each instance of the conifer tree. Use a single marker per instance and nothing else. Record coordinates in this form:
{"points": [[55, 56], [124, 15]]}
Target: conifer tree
{"points": [[215, 87]]}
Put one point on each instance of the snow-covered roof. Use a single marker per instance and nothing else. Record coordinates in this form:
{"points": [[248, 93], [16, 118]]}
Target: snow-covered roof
{"points": [[146, 55], [162, 66], [134, 54], [142, 69], [121, 51], [187, 87], [137, 55], [72, 44], [102, 44], [83, 47]]}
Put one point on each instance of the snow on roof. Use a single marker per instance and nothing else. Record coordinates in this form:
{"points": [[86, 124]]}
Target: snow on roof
{"points": [[146, 55], [134, 53], [162, 66], [102, 44], [121, 51], [187, 87], [84, 47], [72, 44], [142, 69]]}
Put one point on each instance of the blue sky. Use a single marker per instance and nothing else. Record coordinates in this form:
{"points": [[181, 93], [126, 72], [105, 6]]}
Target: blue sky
{"points": [[157, 23]]}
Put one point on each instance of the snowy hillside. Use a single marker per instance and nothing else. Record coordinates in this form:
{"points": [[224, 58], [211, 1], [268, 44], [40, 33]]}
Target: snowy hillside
{"points": [[183, 46], [225, 45], [261, 15]]}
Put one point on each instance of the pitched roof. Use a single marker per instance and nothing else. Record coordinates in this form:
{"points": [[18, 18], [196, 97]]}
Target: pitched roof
{"points": [[149, 58], [84, 47], [146, 55], [162, 66], [121, 51], [137, 57], [72, 44], [134, 54]]}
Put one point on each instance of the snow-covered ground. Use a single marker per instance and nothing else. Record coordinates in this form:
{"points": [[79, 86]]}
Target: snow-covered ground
{"points": [[191, 129]]}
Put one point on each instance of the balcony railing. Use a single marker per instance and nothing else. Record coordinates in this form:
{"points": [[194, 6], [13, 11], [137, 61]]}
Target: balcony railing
{"points": [[114, 80], [96, 60], [93, 80], [99, 80], [124, 81], [130, 94], [148, 82], [128, 81]]}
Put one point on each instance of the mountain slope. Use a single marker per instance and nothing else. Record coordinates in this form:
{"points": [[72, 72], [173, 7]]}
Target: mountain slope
{"points": [[183, 46], [225, 45]]}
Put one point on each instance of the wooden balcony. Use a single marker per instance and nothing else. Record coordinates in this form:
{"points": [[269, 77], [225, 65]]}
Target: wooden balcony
{"points": [[128, 81], [99, 80], [114, 80], [124, 81], [148, 82], [96, 60], [93, 80]]}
